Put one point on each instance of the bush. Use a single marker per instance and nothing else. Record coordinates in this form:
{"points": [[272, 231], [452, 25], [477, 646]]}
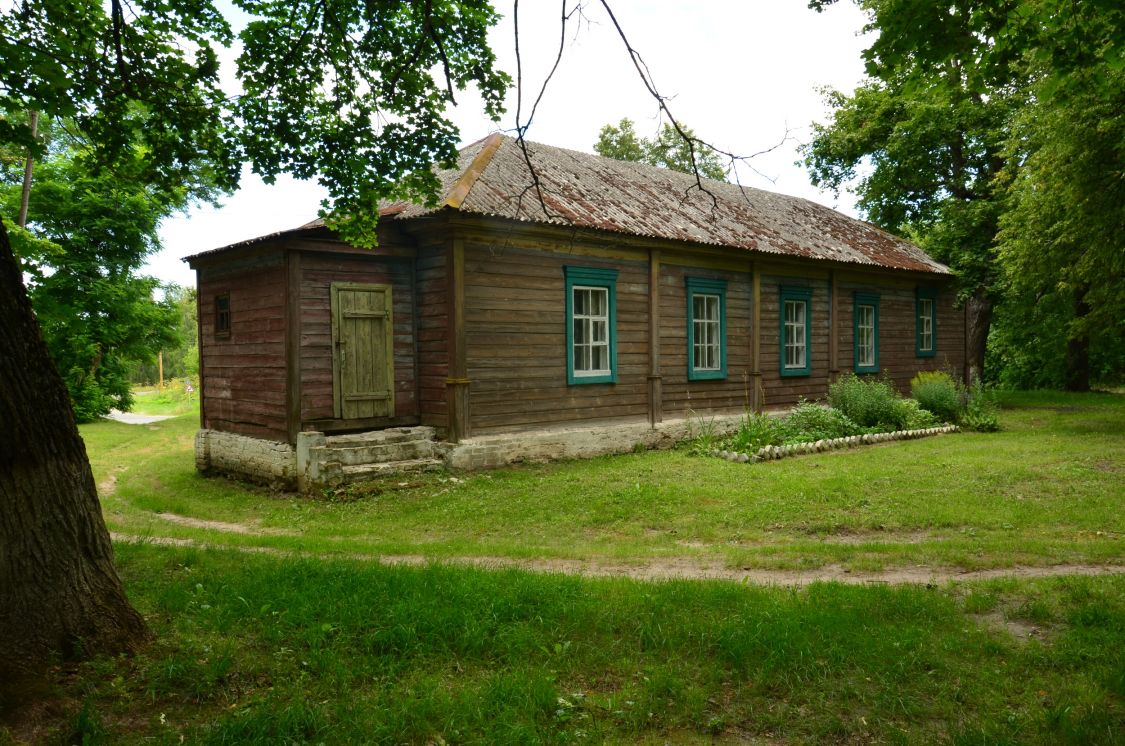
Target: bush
{"points": [[810, 422], [913, 416], [938, 393], [755, 431], [980, 410], [867, 402]]}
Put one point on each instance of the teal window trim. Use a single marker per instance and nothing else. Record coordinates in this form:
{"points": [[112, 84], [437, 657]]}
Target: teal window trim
{"points": [[865, 299], [920, 295], [795, 293], [706, 286], [588, 277]]}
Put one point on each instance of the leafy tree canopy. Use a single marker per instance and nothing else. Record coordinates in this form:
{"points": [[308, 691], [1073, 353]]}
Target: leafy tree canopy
{"points": [[353, 94], [669, 149], [88, 236]]}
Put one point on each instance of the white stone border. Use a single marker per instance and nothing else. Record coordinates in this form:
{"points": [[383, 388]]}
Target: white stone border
{"points": [[769, 453]]}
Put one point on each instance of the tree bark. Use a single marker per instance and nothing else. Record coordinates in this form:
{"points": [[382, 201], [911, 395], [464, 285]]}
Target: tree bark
{"points": [[976, 335], [60, 595], [1078, 349]]}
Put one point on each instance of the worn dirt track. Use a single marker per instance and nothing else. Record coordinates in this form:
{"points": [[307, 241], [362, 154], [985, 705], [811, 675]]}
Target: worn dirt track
{"points": [[678, 568]]}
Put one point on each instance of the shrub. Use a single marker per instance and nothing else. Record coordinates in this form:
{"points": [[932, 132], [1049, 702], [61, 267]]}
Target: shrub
{"points": [[809, 422], [866, 402], [980, 410], [755, 431], [937, 392], [913, 416]]}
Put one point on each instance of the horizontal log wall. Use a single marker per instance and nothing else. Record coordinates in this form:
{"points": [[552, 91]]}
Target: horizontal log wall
{"points": [[515, 321], [898, 360], [243, 384], [783, 391], [681, 396], [318, 272], [433, 335]]}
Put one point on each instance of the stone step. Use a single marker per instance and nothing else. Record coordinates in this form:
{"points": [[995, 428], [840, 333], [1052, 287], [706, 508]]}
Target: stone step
{"points": [[380, 453], [380, 437], [361, 472]]}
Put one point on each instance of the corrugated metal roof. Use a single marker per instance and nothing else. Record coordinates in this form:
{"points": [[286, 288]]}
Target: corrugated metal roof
{"points": [[579, 189]]}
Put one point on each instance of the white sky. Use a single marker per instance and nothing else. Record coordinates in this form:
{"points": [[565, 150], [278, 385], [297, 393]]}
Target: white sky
{"points": [[739, 72]]}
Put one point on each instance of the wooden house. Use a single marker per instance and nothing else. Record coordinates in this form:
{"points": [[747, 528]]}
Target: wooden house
{"points": [[577, 305]]}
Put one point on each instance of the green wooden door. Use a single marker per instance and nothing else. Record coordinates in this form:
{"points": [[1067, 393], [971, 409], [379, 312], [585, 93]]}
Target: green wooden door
{"points": [[363, 370]]}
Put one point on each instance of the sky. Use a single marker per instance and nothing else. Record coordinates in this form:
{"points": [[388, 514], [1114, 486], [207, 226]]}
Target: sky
{"points": [[744, 74]]}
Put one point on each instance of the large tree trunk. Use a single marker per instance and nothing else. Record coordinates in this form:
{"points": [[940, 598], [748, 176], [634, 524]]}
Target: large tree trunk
{"points": [[60, 595], [979, 315], [1078, 349]]}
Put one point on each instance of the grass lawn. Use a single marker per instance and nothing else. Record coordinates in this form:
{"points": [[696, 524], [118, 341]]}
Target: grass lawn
{"points": [[330, 647], [172, 400], [1046, 490]]}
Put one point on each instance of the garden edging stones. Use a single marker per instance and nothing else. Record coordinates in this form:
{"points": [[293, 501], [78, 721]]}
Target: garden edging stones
{"points": [[768, 453]]}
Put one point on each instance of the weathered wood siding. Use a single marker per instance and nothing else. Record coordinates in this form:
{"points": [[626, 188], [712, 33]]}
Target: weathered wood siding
{"points": [[318, 272], [682, 397], [782, 391], [515, 323], [898, 360], [244, 373], [433, 335]]}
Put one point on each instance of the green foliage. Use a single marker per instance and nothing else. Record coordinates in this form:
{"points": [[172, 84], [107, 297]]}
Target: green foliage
{"points": [[181, 360], [809, 422], [937, 392], [869, 402], [912, 416], [991, 135], [97, 316], [755, 431], [352, 94], [667, 150], [981, 411]]}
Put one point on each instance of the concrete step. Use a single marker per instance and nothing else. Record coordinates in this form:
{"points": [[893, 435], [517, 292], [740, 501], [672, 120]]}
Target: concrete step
{"points": [[380, 437], [379, 453], [361, 472]]}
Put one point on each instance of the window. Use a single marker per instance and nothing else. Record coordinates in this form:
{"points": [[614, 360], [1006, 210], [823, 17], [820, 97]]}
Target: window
{"points": [[925, 320], [222, 315], [796, 328], [706, 328], [866, 333], [591, 318]]}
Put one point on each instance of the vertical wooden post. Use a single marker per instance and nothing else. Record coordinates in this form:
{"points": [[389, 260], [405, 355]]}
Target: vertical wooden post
{"points": [[199, 347], [755, 337], [160, 369], [833, 328], [655, 382], [457, 384], [293, 343]]}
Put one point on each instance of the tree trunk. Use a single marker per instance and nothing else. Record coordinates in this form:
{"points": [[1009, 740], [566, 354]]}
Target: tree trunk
{"points": [[979, 312], [1078, 349], [60, 595]]}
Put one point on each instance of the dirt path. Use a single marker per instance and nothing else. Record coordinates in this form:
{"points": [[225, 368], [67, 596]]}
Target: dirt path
{"points": [[130, 418], [677, 568]]}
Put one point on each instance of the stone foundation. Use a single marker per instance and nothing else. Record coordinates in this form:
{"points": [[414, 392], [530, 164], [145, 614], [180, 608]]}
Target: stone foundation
{"points": [[263, 461], [318, 461], [539, 446]]}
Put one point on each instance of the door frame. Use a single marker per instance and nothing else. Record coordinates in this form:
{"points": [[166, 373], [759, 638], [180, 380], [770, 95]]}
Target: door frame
{"points": [[388, 342]]}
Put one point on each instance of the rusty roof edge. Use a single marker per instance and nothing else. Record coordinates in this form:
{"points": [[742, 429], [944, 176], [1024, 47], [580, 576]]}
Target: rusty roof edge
{"points": [[465, 183]]}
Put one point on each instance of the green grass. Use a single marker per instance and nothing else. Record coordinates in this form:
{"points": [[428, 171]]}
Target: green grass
{"points": [[253, 649], [1045, 490], [334, 648], [172, 400]]}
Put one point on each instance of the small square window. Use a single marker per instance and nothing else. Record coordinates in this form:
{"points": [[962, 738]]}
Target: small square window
{"points": [[222, 315]]}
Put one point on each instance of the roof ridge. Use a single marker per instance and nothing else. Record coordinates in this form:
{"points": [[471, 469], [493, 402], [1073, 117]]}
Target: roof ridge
{"points": [[464, 184]]}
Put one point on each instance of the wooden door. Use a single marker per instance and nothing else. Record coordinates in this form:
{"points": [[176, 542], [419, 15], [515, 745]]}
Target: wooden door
{"points": [[363, 370]]}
